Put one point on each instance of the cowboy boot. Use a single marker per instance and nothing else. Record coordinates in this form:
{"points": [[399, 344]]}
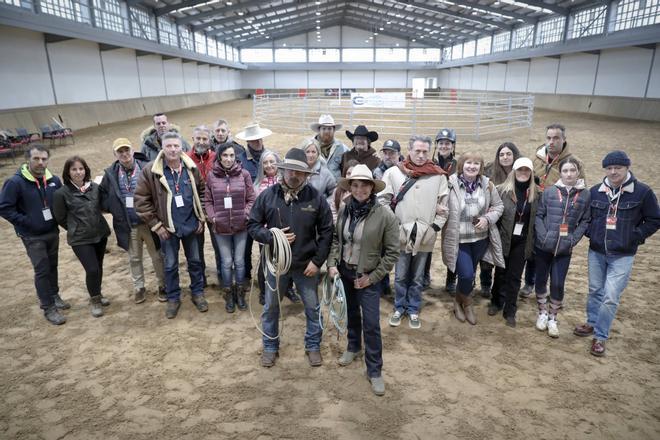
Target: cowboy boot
{"points": [[240, 296], [458, 307], [228, 294], [468, 308]]}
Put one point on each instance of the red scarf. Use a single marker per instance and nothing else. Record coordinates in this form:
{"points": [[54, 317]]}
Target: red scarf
{"points": [[413, 171]]}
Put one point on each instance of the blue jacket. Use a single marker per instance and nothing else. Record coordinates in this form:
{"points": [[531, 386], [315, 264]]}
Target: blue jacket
{"points": [[21, 203], [550, 214], [638, 217], [249, 163]]}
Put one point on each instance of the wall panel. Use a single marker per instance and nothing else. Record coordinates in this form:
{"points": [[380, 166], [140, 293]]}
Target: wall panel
{"points": [[391, 79], [480, 77], [121, 74], [152, 77], [321, 79], [516, 76], [616, 77], [290, 79], [654, 80], [204, 78], [543, 75], [173, 70], [190, 78], [577, 74], [465, 75], [257, 79], [358, 79], [496, 76], [77, 71]]}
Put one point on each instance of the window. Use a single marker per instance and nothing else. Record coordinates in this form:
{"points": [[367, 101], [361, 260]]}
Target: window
{"points": [[390, 55], [457, 51], [523, 37], [255, 55], [588, 22], [200, 42], [424, 55], [69, 9], [323, 55], [483, 45], [211, 47], [501, 42], [468, 48], [635, 13], [167, 31], [186, 38], [141, 24], [290, 55], [550, 31], [108, 15], [358, 55], [446, 54], [234, 52]]}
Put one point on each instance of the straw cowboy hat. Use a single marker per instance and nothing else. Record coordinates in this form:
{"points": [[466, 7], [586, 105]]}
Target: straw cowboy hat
{"points": [[295, 160], [361, 130], [361, 172], [253, 132], [325, 121]]}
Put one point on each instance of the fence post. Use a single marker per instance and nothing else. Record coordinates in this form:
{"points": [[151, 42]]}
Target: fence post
{"points": [[478, 116], [254, 107], [509, 115], [414, 118]]}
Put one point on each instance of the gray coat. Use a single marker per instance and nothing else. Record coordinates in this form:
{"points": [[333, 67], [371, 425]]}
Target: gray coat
{"points": [[550, 213], [323, 181]]}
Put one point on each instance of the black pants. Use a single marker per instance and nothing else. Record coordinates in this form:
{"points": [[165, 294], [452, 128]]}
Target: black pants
{"points": [[91, 258], [248, 258], [42, 251], [486, 274], [507, 281]]}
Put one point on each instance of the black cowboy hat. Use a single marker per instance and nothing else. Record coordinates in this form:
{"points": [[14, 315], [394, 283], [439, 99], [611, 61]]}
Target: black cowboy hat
{"points": [[296, 160], [361, 130]]}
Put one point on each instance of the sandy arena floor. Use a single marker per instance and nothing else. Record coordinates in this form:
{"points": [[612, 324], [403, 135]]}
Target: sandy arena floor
{"points": [[133, 374]]}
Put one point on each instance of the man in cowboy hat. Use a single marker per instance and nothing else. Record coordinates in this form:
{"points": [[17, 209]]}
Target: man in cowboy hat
{"points": [[332, 149], [254, 135], [305, 217], [362, 150]]}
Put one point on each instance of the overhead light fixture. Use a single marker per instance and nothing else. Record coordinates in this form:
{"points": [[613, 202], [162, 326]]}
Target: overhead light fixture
{"points": [[380, 29], [375, 33], [267, 36], [240, 12], [230, 3], [318, 13], [413, 40], [318, 21], [389, 22], [318, 27], [397, 44], [283, 44]]}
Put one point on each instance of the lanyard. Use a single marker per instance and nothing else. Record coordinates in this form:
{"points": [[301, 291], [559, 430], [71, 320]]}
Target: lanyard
{"points": [[520, 213], [616, 205], [129, 182], [178, 177], [43, 193], [561, 200]]}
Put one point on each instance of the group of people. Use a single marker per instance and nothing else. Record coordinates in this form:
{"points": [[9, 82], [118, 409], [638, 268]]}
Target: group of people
{"points": [[360, 213]]}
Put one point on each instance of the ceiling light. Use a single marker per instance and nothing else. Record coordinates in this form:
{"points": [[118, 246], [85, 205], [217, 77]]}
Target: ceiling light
{"points": [[397, 44], [375, 33], [413, 40], [366, 41], [380, 29], [318, 13], [389, 22], [240, 12], [318, 27], [318, 21], [283, 44], [230, 3], [267, 36], [422, 37]]}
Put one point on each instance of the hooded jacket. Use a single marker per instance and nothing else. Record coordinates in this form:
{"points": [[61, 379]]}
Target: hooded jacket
{"points": [[80, 214], [22, 202], [153, 196], [235, 183], [151, 142], [550, 215]]}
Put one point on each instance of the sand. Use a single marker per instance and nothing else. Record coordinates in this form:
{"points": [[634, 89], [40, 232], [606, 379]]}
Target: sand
{"points": [[133, 374]]}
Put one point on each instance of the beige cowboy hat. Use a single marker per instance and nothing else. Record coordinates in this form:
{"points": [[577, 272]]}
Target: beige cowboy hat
{"points": [[361, 172], [253, 132], [325, 121]]}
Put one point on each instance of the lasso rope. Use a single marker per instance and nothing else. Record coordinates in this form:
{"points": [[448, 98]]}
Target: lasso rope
{"points": [[333, 296]]}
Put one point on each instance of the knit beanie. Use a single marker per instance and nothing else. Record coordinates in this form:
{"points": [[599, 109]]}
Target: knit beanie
{"points": [[616, 157]]}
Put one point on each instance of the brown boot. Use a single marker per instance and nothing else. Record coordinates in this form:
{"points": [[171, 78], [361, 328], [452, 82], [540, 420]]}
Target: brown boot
{"points": [[458, 307], [468, 307]]}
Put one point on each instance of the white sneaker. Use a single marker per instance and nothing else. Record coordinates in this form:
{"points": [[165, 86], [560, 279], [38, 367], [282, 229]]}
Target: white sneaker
{"points": [[414, 322], [395, 319], [553, 328], [542, 321]]}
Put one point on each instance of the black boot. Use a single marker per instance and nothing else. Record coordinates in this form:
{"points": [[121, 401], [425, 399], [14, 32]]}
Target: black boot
{"points": [[228, 294], [450, 283], [240, 296]]}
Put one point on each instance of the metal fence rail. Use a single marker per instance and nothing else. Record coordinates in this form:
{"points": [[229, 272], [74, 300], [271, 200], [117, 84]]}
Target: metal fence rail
{"points": [[471, 114]]}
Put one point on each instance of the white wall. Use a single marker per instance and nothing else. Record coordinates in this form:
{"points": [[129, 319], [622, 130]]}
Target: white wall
{"points": [[390, 79], [543, 75], [516, 76], [352, 37], [121, 74], [465, 78], [258, 79], [329, 38], [204, 77], [173, 71], [455, 78], [190, 77], [623, 72], [443, 78], [152, 77], [654, 80], [290, 79], [362, 79], [480, 77], [77, 71], [321, 79], [496, 76], [577, 74]]}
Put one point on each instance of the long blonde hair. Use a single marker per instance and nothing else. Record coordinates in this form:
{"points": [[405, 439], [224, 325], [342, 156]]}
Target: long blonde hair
{"points": [[509, 186]]}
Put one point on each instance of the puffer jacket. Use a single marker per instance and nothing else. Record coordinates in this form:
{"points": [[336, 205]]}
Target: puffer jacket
{"points": [[334, 159], [322, 181], [451, 235], [548, 174], [151, 142], [379, 246], [507, 222], [80, 214], [235, 183], [550, 214]]}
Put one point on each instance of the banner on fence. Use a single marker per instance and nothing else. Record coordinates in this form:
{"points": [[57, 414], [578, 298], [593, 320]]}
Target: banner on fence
{"points": [[379, 100]]}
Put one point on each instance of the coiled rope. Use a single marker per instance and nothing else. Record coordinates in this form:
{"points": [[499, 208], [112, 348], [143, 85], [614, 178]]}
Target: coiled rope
{"points": [[333, 297]]}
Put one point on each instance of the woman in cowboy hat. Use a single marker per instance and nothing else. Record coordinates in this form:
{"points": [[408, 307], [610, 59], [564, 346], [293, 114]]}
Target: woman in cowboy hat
{"points": [[365, 247], [362, 150]]}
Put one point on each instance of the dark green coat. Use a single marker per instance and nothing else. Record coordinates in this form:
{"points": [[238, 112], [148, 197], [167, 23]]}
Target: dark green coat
{"points": [[508, 220], [80, 215]]}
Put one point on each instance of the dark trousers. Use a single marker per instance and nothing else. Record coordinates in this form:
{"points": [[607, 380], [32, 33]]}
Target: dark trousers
{"points": [[91, 258], [427, 269], [555, 267], [530, 271], [42, 251], [248, 258], [216, 252], [363, 307], [469, 255], [508, 280], [485, 274]]}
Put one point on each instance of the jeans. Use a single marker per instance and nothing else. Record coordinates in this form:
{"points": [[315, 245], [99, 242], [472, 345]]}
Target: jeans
{"points": [[408, 279], [42, 251], [216, 253], [271, 313], [170, 250], [555, 267], [608, 277], [232, 253], [140, 235], [469, 255], [363, 307], [91, 258]]}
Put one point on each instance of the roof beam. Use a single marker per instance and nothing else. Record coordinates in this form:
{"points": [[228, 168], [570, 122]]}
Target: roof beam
{"points": [[551, 7], [395, 34], [406, 32], [175, 6], [437, 10], [297, 30], [472, 4], [223, 10]]}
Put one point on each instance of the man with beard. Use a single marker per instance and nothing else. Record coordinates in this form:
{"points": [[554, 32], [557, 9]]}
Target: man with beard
{"points": [[222, 135], [362, 150], [332, 150], [391, 152], [204, 157], [304, 216], [151, 137]]}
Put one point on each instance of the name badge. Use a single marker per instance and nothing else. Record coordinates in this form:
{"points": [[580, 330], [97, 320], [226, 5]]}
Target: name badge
{"points": [[47, 214], [228, 204], [178, 199], [563, 230], [518, 228], [610, 223], [129, 201]]}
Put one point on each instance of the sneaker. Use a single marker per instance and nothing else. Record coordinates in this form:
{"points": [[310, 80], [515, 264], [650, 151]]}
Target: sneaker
{"points": [[200, 302], [414, 322], [348, 357], [542, 321], [597, 348], [526, 291], [162, 295], [377, 385], [583, 330], [96, 306], [140, 296], [268, 358], [172, 309], [395, 319], [54, 316], [60, 303], [553, 328]]}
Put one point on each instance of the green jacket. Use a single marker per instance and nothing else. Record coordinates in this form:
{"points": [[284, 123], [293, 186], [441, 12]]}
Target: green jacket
{"points": [[379, 246], [508, 221], [80, 214]]}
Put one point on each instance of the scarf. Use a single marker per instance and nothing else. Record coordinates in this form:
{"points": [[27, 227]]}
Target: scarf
{"points": [[291, 194], [325, 149], [256, 154], [470, 187], [446, 163], [357, 211], [521, 195], [614, 193], [413, 171]]}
